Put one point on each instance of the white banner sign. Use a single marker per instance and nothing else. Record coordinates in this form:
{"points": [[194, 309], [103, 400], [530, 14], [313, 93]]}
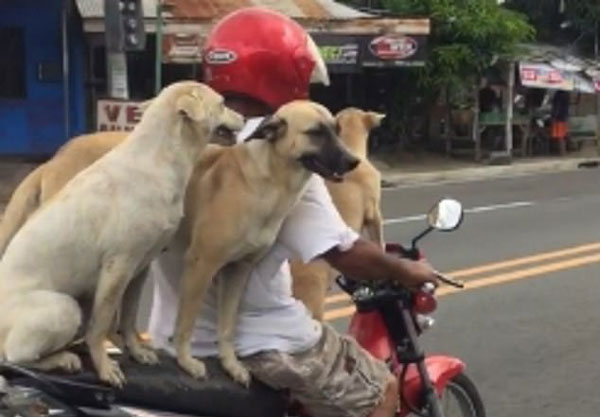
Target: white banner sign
{"points": [[117, 114], [540, 75]]}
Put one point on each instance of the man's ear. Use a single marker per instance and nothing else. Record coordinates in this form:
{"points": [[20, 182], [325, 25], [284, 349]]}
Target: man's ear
{"points": [[271, 129], [373, 119], [190, 106]]}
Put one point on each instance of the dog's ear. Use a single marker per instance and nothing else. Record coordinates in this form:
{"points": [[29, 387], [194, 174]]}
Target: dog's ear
{"points": [[143, 106], [190, 106], [373, 119], [271, 129]]}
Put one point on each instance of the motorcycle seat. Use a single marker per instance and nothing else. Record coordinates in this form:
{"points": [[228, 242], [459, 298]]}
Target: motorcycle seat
{"points": [[165, 387]]}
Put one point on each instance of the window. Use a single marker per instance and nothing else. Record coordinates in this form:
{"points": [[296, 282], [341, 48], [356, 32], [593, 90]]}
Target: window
{"points": [[12, 63]]}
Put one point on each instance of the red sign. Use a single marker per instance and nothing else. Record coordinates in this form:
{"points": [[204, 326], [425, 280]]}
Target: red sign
{"points": [[392, 47]]}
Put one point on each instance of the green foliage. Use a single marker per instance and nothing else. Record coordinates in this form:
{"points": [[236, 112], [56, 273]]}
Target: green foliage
{"points": [[583, 13], [548, 17], [467, 36]]}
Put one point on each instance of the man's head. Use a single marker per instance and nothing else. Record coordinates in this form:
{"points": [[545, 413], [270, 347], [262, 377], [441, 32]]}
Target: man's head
{"points": [[259, 57], [305, 131]]}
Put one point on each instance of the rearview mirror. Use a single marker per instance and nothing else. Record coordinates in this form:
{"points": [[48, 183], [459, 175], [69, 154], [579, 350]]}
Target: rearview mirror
{"points": [[446, 215]]}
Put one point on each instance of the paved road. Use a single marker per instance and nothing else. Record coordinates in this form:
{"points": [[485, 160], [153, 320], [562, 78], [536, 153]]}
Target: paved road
{"points": [[526, 329]]}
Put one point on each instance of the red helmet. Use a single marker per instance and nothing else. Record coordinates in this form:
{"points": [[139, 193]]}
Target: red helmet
{"points": [[262, 54]]}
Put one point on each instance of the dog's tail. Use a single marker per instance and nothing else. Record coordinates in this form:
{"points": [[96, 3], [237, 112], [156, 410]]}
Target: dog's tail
{"points": [[23, 202]]}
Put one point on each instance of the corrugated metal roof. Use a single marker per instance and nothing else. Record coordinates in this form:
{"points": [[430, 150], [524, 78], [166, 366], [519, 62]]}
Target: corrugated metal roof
{"points": [[211, 9]]}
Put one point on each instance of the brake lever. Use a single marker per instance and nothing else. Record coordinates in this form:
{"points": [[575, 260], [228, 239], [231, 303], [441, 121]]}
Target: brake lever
{"points": [[449, 281]]}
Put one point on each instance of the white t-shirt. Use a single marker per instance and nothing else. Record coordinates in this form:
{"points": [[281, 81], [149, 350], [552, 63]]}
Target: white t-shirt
{"points": [[269, 317]]}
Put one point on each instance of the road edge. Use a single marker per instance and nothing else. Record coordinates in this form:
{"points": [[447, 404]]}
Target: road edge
{"points": [[398, 178]]}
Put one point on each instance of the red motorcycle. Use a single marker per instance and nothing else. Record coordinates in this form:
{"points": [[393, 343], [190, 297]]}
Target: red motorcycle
{"points": [[388, 322]]}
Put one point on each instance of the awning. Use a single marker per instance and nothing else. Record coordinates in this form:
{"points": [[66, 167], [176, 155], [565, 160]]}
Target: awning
{"points": [[555, 68], [197, 16], [347, 37]]}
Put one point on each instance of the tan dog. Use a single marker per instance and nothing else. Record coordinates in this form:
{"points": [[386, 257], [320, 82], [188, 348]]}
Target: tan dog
{"points": [[91, 241], [47, 179], [239, 204], [357, 199]]}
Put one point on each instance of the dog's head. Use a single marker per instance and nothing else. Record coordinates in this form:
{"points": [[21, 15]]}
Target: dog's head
{"points": [[355, 125], [306, 132], [200, 110]]}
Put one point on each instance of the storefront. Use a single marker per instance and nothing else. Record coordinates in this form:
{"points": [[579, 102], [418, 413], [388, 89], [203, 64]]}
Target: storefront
{"points": [[354, 44], [363, 66]]}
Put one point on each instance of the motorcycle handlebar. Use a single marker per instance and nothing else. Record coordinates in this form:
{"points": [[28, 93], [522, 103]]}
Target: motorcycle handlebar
{"points": [[450, 281]]}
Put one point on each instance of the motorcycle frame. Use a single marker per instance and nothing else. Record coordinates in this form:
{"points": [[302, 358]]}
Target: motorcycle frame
{"points": [[422, 378]]}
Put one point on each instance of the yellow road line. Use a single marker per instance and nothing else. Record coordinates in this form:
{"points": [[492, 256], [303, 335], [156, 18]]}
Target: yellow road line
{"points": [[524, 260], [492, 280], [469, 272]]}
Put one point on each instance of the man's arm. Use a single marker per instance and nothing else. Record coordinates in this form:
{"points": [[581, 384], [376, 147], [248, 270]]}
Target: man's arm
{"points": [[366, 261], [315, 229]]}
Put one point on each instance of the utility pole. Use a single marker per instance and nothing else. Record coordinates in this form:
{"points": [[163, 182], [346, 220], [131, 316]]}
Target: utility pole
{"points": [[158, 55]]}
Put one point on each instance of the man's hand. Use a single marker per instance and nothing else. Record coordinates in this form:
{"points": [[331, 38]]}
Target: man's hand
{"points": [[415, 274]]}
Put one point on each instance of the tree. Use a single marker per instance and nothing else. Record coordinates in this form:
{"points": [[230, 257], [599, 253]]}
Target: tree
{"points": [[560, 22], [467, 36]]}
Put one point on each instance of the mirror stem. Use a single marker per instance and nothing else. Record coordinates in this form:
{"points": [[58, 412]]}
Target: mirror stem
{"points": [[421, 236]]}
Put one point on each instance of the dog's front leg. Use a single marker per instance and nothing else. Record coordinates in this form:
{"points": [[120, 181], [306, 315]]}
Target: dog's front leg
{"points": [[232, 283], [374, 225], [197, 276], [114, 278], [139, 351]]}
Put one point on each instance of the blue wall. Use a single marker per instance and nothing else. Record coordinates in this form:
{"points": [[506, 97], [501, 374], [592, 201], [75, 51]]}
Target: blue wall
{"points": [[34, 125]]}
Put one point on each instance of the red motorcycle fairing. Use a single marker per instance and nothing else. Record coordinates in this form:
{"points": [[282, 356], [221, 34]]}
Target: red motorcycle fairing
{"points": [[440, 368], [370, 332]]}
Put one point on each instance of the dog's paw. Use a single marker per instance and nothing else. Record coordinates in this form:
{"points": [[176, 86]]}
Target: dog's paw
{"points": [[111, 373], [69, 362], [194, 367], [144, 355], [237, 371]]}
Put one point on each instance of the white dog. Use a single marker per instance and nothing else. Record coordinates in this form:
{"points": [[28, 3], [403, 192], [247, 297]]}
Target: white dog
{"points": [[100, 231]]}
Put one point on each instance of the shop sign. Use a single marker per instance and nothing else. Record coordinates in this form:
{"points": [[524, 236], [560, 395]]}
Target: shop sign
{"points": [[182, 48], [341, 53], [541, 75], [117, 114], [394, 50]]}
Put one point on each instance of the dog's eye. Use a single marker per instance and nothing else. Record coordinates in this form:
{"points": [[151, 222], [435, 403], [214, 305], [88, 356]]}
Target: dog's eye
{"points": [[315, 131]]}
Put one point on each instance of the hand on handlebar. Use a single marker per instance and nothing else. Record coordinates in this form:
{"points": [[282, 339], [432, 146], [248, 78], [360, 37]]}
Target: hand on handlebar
{"points": [[418, 274]]}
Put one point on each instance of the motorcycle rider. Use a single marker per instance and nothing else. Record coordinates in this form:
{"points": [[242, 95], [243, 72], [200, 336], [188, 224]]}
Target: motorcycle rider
{"points": [[258, 60]]}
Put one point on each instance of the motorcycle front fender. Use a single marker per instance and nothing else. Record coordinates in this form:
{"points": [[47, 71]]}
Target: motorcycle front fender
{"points": [[440, 368]]}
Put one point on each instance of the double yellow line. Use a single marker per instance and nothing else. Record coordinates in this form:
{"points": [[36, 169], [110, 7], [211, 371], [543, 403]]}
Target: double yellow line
{"points": [[544, 263]]}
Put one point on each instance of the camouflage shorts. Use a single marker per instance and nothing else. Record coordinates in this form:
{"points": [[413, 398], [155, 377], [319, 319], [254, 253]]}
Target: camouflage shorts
{"points": [[335, 378]]}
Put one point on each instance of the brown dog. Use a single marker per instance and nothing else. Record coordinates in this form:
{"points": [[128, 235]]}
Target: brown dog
{"points": [[357, 199]]}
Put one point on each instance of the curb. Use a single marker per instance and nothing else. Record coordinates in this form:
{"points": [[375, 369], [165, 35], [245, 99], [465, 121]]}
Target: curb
{"points": [[396, 179]]}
